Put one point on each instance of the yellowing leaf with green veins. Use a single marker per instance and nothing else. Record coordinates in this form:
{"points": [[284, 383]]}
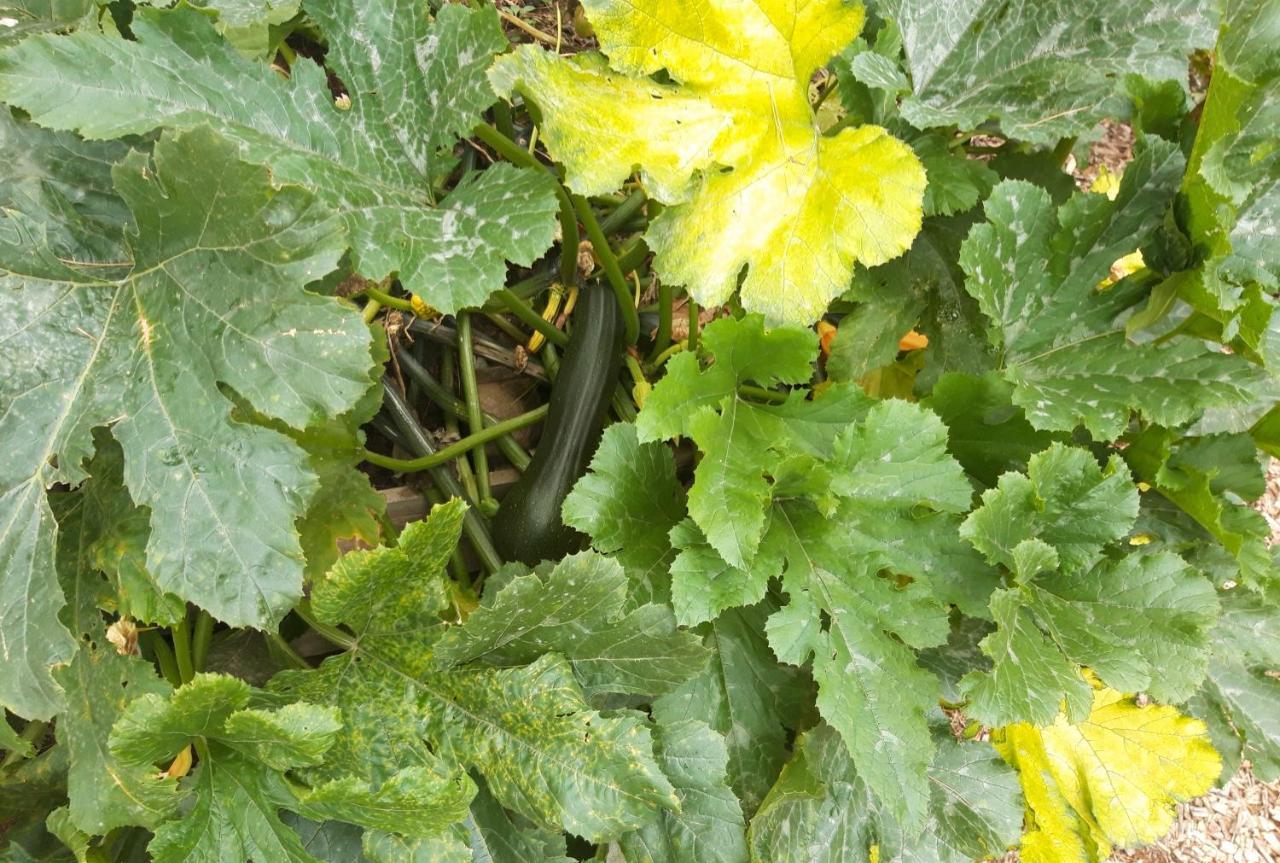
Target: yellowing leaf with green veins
{"points": [[732, 145], [1111, 781]]}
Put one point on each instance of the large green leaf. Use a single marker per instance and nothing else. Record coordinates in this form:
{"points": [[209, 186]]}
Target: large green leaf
{"points": [[25, 17], [1240, 693], [987, 433], [742, 440], [1043, 69], [576, 610], [628, 502], [140, 342], [709, 827], [1141, 622], [498, 836], [857, 508], [936, 301], [104, 792], [745, 695], [1211, 479], [894, 479], [248, 24], [527, 729], [1232, 185], [820, 810], [414, 86], [1035, 271], [65, 183], [233, 797], [112, 534]]}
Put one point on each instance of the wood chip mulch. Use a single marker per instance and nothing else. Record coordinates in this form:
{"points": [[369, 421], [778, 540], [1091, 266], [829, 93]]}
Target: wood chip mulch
{"points": [[1238, 823]]}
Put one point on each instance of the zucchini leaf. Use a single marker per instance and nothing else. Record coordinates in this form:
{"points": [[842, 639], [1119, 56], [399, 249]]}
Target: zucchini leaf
{"points": [[1043, 69], [1111, 780], [527, 729], [1141, 622], [708, 828], [576, 610], [1240, 693], [232, 798], [1036, 272], [730, 146], [745, 695], [137, 339], [854, 505], [413, 87], [821, 811], [628, 502]]}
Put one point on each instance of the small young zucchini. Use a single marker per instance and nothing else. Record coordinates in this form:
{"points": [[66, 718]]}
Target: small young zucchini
{"points": [[528, 527]]}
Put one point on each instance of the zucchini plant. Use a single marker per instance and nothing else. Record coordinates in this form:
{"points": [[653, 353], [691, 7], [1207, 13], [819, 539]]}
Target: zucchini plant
{"points": [[892, 462]]}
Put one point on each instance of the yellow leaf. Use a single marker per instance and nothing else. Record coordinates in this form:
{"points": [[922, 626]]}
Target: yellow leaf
{"points": [[733, 147], [1112, 780]]}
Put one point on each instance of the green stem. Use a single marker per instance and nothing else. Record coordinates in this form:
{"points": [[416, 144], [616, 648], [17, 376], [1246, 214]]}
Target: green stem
{"points": [[451, 404], [471, 393], [512, 331], [569, 239], [371, 310], [502, 119], [164, 657], [633, 255], [416, 439], [462, 447], [551, 362], [663, 337], [613, 273], [330, 633], [201, 640], [637, 373], [33, 734], [526, 288], [527, 315], [287, 652], [387, 300], [517, 155], [623, 406], [448, 366], [670, 352], [458, 566], [692, 342], [762, 394], [621, 215], [181, 633]]}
